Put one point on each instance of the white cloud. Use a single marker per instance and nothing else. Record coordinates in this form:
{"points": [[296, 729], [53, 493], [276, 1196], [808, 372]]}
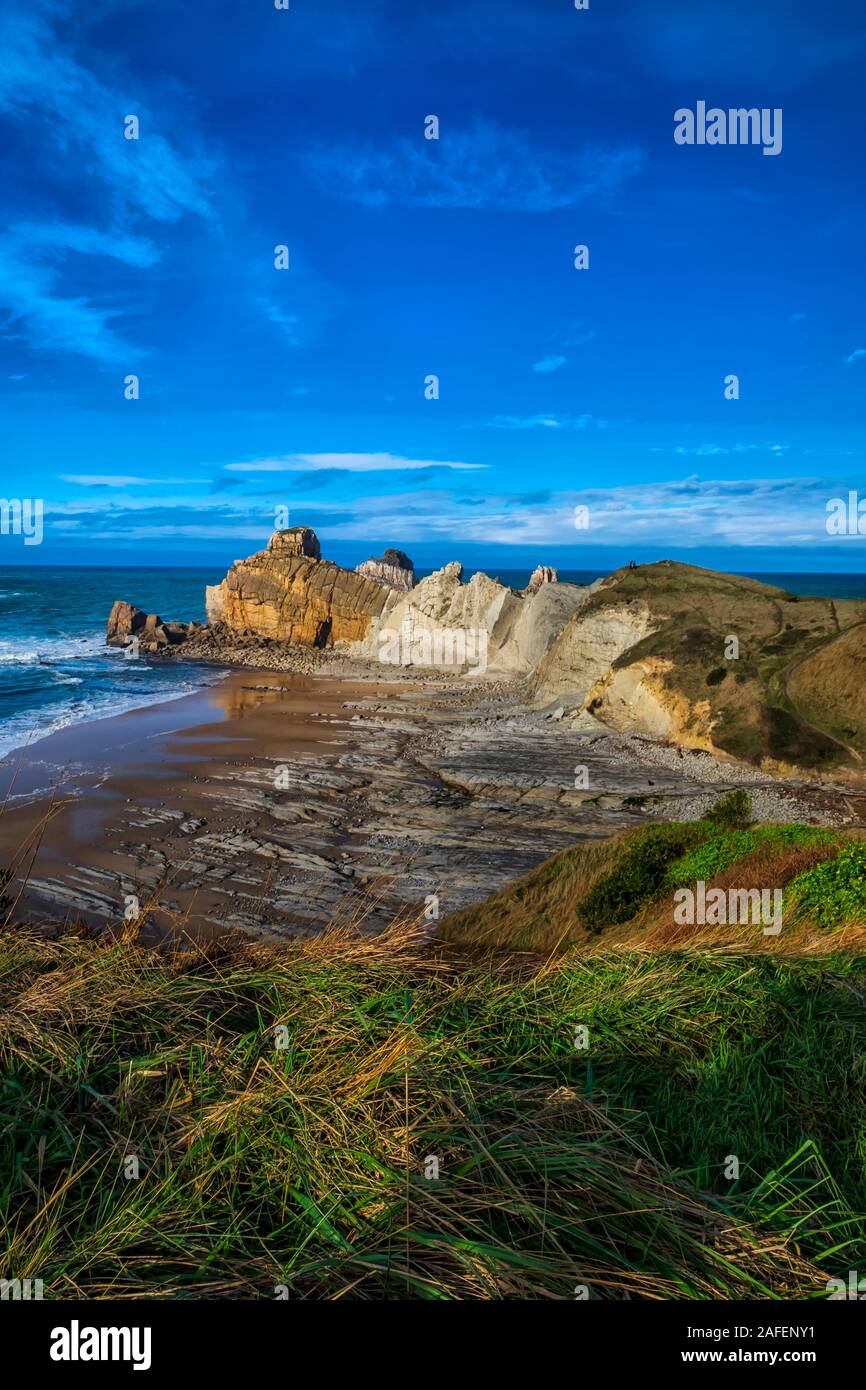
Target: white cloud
{"points": [[350, 463], [711, 450], [549, 364], [856, 355], [287, 322], [121, 480]]}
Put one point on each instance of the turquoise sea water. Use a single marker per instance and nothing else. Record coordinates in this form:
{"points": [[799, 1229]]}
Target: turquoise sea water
{"points": [[56, 670]]}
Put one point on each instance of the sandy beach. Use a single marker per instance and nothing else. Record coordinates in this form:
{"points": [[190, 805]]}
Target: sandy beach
{"points": [[275, 802]]}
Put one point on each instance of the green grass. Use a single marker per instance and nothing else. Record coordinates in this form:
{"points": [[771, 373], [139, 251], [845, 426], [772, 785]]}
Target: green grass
{"points": [[749, 1056], [305, 1166]]}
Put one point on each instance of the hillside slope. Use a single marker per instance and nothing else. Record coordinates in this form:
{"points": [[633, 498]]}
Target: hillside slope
{"points": [[623, 891], [719, 662]]}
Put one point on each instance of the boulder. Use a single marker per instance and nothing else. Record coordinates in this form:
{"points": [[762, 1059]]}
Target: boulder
{"points": [[124, 622], [296, 540]]}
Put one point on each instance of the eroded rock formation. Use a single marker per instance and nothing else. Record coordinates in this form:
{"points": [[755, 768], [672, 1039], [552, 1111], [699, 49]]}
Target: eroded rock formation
{"points": [[287, 593], [495, 627], [126, 624], [393, 568], [542, 574]]}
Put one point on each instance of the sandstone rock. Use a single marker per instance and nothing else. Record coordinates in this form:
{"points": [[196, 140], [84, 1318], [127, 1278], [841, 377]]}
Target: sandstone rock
{"points": [[393, 568], [288, 593], [124, 621], [542, 574], [297, 540]]}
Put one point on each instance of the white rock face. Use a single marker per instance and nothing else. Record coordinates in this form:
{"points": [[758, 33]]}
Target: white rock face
{"points": [[393, 575], [587, 646], [213, 602], [493, 627]]}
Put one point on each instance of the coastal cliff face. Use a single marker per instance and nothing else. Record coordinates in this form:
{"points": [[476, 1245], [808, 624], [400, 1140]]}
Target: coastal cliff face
{"points": [[514, 628], [719, 662], [671, 651], [288, 594]]}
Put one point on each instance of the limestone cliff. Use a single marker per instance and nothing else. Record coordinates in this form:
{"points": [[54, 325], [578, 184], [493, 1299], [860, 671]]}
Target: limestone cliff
{"points": [[495, 627], [289, 594]]}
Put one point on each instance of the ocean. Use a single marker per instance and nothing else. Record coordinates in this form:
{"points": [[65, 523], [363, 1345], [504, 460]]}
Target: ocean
{"points": [[55, 669]]}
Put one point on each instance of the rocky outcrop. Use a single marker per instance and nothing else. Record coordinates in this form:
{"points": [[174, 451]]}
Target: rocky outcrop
{"points": [[586, 647], [296, 540], [124, 621], [542, 574], [393, 568], [288, 594], [482, 625], [128, 624]]}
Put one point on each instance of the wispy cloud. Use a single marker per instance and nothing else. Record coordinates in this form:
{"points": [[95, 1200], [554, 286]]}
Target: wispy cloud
{"points": [[122, 480], [580, 335], [347, 463], [856, 355], [687, 513], [40, 79], [549, 364], [50, 321], [544, 422], [711, 450], [287, 322], [77, 118], [484, 166]]}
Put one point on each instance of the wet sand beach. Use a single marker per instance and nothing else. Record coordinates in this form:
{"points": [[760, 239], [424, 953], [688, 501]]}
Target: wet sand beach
{"points": [[274, 802]]}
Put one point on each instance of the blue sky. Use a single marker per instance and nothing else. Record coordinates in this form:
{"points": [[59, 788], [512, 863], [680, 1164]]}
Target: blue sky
{"points": [[304, 388]]}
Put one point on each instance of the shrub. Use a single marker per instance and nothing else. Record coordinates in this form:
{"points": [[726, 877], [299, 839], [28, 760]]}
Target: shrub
{"points": [[725, 848], [733, 811], [638, 874], [833, 892], [716, 676]]}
